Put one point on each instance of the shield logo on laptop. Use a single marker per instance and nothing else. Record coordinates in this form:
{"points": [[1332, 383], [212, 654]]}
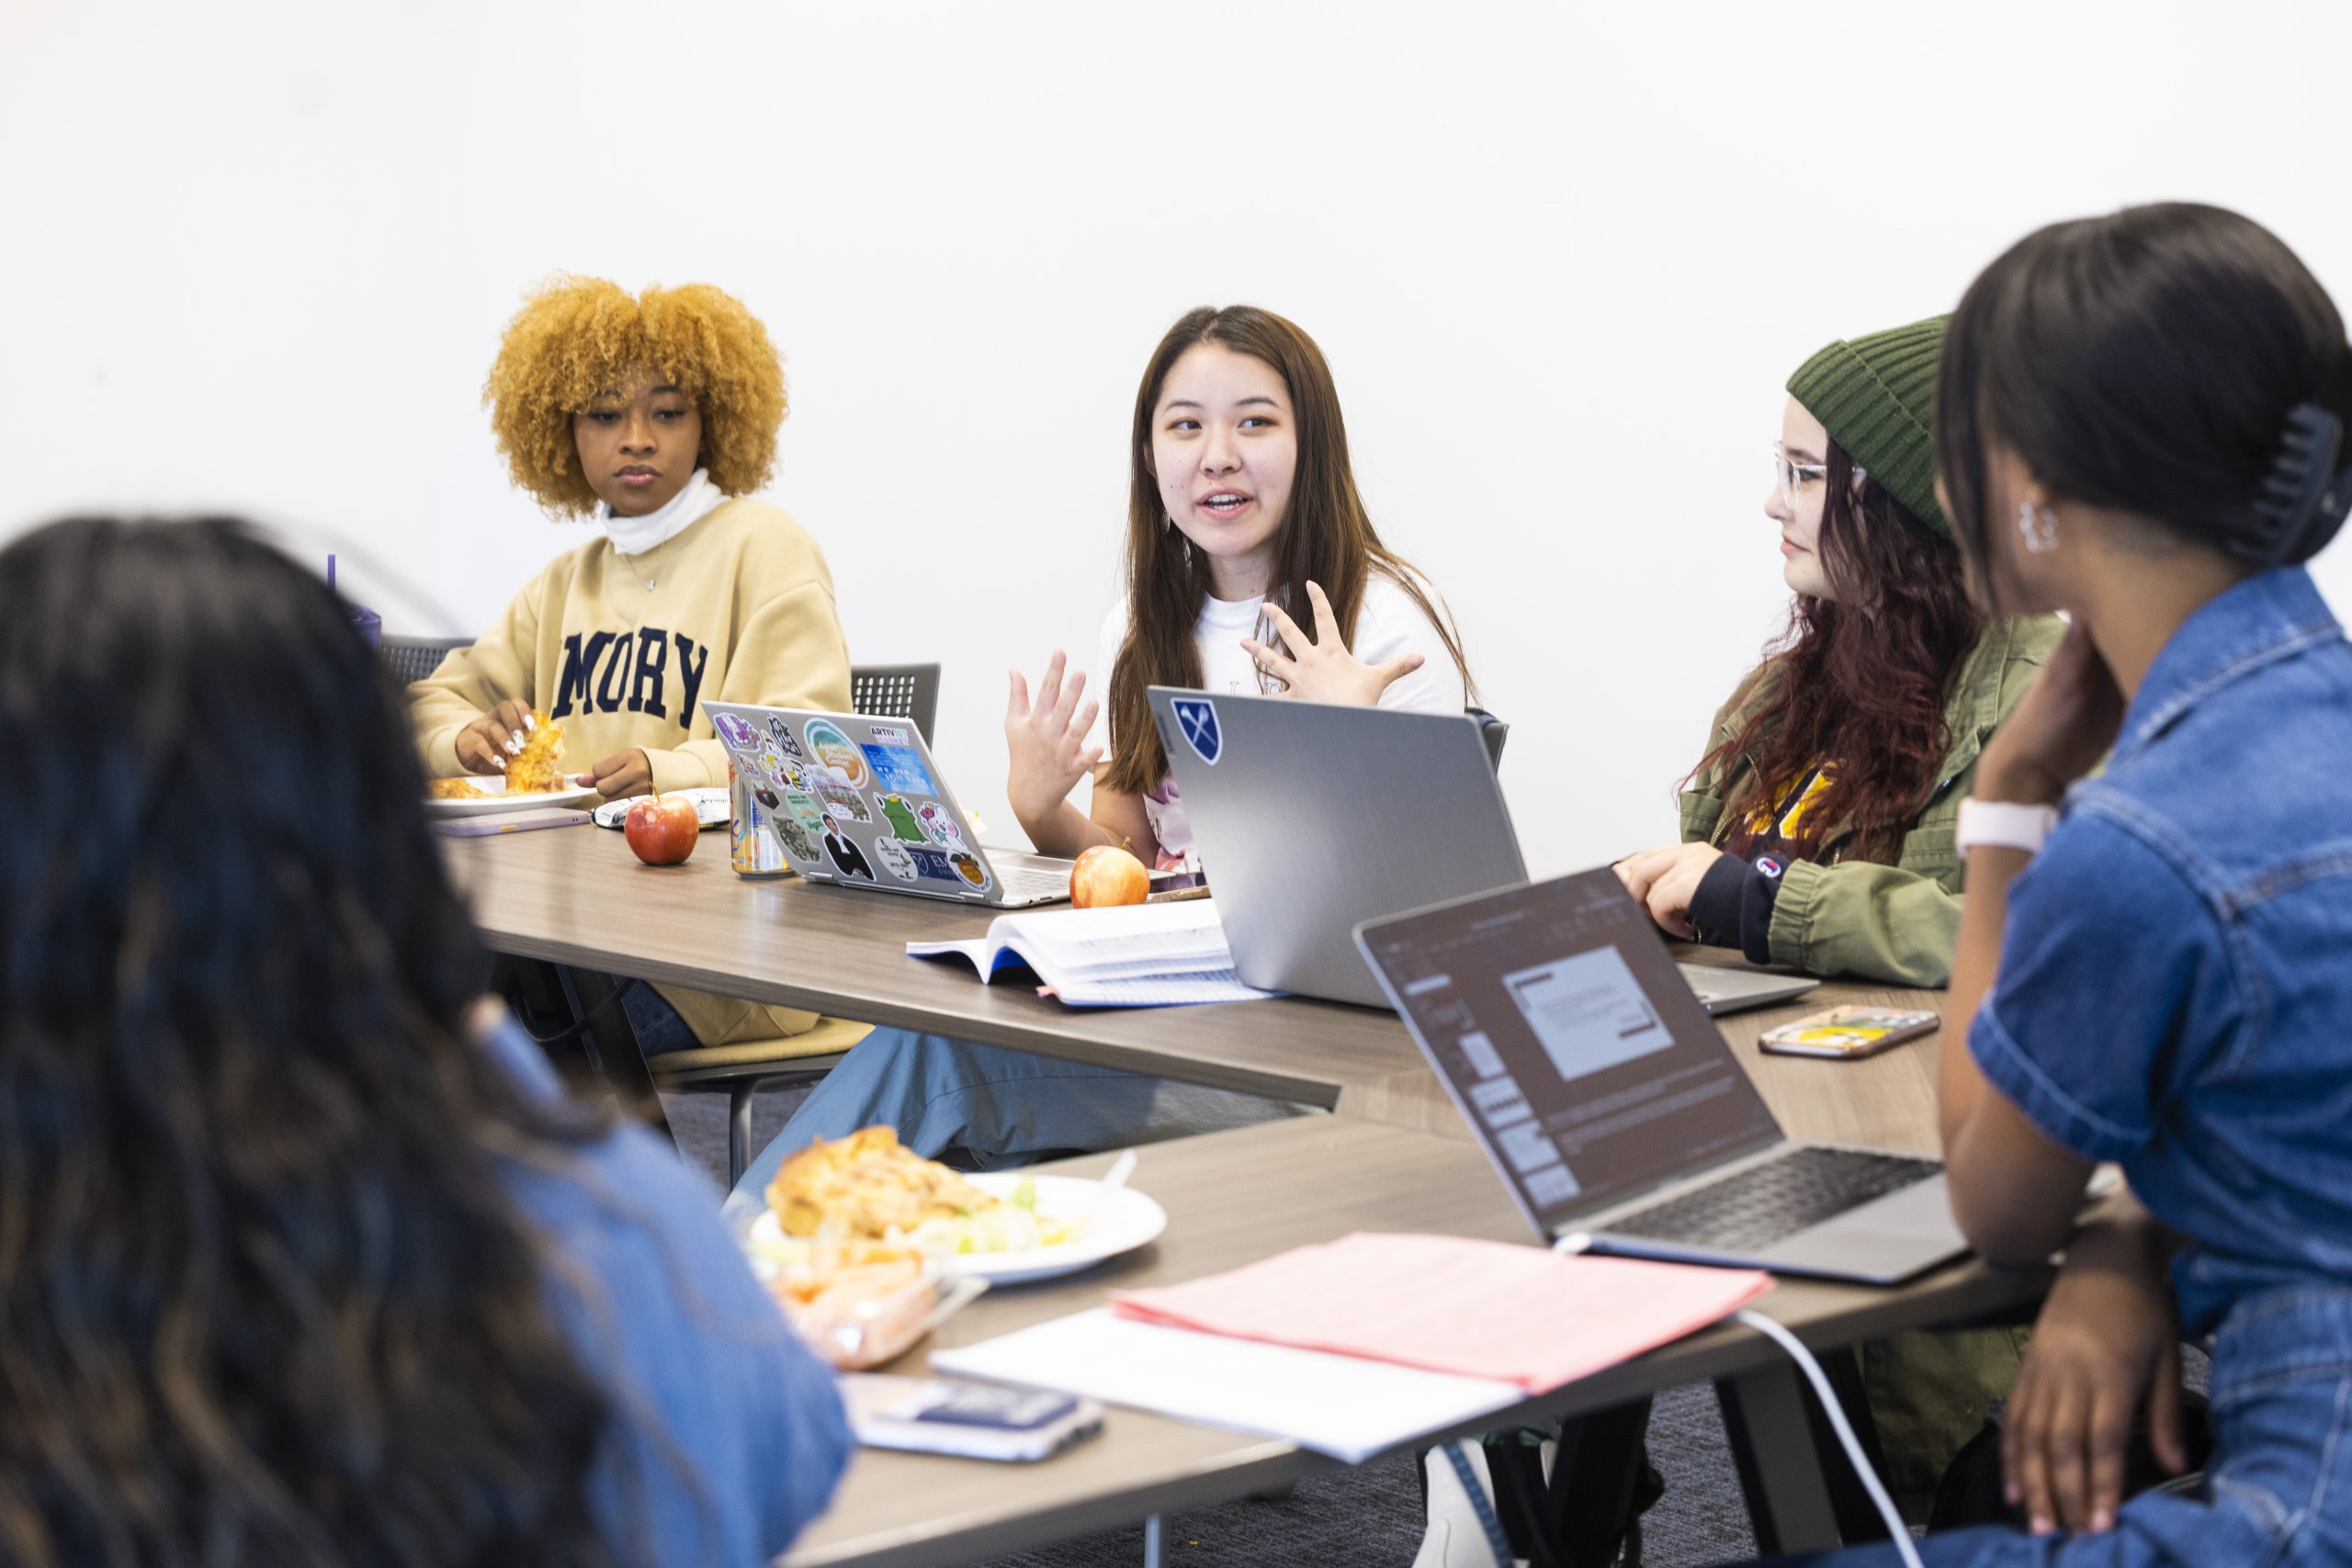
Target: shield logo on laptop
{"points": [[1197, 719]]}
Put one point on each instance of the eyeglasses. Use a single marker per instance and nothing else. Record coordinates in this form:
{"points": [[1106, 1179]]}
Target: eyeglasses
{"points": [[1793, 477]]}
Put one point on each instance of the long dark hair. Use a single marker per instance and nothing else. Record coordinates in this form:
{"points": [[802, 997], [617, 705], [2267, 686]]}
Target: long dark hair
{"points": [[263, 1298], [2146, 362], [1326, 536], [1858, 681]]}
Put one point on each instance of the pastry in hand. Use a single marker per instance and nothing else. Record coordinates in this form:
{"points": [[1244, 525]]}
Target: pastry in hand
{"points": [[533, 771]]}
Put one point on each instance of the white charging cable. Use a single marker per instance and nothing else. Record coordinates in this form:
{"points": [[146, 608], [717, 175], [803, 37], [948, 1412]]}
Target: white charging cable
{"points": [[1895, 1528], [1577, 1242]]}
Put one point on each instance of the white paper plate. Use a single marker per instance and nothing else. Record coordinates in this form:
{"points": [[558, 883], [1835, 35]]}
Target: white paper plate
{"points": [[496, 799], [1128, 1219]]}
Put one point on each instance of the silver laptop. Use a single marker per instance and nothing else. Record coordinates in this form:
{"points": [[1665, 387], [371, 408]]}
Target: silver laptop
{"points": [[1612, 1108], [858, 801], [1311, 818]]}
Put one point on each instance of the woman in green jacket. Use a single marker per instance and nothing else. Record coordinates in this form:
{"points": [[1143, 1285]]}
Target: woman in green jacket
{"points": [[1817, 830]]}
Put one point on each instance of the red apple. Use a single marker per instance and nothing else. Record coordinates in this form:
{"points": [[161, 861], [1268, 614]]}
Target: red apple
{"points": [[1107, 876], [662, 828]]}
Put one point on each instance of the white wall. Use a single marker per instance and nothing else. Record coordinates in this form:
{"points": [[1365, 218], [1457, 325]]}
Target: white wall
{"points": [[257, 255]]}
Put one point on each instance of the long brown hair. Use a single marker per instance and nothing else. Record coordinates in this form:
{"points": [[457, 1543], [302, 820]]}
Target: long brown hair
{"points": [[1858, 681], [1326, 536], [265, 1294]]}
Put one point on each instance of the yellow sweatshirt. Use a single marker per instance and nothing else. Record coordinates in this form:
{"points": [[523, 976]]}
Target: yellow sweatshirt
{"points": [[740, 611]]}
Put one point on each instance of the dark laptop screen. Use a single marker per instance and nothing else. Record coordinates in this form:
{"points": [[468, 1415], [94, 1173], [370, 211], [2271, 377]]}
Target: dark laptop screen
{"points": [[1558, 1019]]}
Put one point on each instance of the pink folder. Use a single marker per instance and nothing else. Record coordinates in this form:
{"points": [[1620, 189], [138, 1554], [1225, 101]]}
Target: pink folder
{"points": [[1480, 1308]]}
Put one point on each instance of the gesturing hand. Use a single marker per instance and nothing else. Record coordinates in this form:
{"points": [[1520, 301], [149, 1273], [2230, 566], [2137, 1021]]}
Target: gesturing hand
{"points": [[1046, 741], [1664, 882], [484, 745], [1323, 671], [2068, 722], [2107, 1340]]}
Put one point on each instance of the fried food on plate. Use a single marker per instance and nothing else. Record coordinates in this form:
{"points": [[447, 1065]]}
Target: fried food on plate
{"points": [[867, 1185], [453, 789]]}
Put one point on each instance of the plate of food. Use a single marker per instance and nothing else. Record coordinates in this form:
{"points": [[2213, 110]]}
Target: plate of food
{"points": [[477, 797], [1004, 1226], [533, 779]]}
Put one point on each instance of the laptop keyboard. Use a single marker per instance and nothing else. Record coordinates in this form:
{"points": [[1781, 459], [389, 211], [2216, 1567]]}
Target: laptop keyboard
{"points": [[1768, 1203]]}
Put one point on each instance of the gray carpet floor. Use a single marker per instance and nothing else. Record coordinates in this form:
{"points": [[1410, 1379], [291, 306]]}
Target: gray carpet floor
{"points": [[1370, 1515]]}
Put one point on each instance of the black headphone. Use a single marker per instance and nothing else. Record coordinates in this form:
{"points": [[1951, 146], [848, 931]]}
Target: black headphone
{"points": [[2304, 495]]}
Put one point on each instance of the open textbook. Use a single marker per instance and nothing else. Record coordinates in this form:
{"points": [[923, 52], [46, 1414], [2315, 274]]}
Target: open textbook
{"points": [[1139, 955]]}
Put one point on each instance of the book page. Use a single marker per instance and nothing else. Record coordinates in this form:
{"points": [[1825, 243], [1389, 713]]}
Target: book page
{"points": [[1178, 937]]}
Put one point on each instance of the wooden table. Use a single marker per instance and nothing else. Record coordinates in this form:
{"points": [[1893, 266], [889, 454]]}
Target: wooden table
{"points": [[578, 896], [1396, 1156], [1233, 1198]]}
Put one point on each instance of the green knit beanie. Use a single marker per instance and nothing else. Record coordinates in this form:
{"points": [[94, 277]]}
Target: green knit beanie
{"points": [[1876, 397]]}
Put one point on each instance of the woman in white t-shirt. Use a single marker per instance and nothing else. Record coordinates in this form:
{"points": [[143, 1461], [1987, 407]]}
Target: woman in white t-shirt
{"points": [[1252, 568], [1242, 506]]}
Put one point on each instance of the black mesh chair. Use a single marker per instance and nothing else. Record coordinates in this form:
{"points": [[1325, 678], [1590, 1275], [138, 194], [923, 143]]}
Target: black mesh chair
{"points": [[739, 1071], [412, 658], [1494, 732], [896, 691]]}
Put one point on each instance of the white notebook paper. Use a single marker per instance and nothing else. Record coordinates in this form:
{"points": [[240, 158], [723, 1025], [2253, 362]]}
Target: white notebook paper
{"points": [[1346, 1406], [1168, 954]]}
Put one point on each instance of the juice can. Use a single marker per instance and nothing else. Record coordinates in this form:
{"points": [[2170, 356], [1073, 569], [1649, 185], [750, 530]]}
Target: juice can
{"points": [[750, 841]]}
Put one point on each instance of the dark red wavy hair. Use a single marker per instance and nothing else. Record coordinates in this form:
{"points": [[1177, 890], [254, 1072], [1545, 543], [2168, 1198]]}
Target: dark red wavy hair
{"points": [[1859, 680]]}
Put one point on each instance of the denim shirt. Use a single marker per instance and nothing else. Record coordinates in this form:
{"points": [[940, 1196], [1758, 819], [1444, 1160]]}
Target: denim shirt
{"points": [[731, 1435], [2174, 991]]}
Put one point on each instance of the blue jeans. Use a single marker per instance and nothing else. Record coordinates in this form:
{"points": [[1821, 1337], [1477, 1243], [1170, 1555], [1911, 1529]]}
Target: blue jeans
{"points": [[658, 1027], [1007, 1108], [2279, 1493], [656, 1022]]}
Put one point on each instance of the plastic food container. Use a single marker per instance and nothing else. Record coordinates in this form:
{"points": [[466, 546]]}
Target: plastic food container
{"points": [[858, 1308]]}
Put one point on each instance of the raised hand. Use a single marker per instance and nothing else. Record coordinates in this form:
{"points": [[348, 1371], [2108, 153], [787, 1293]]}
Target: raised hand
{"points": [[1047, 741], [1322, 670]]}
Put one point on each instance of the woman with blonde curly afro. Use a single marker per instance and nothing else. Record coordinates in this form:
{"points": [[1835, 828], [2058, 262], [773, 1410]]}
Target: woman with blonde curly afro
{"points": [[654, 416]]}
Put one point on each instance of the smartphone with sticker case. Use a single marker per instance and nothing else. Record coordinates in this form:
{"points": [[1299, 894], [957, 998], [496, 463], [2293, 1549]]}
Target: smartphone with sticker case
{"points": [[1846, 1034]]}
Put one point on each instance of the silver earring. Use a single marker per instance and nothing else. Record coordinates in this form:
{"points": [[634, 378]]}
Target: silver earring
{"points": [[2037, 528], [1169, 525]]}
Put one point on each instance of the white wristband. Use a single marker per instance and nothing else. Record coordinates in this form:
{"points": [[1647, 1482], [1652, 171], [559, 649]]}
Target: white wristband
{"points": [[2002, 825]]}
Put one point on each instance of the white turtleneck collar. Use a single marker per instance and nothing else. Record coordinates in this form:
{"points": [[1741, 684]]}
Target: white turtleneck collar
{"points": [[635, 536]]}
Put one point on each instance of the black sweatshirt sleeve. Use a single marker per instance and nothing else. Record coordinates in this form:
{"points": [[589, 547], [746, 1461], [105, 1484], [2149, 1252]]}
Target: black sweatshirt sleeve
{"points": [[1733, 905]]}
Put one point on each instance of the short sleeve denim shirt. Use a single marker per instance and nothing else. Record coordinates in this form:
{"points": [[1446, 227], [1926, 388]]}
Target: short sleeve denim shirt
{"points": [[2176, 983]]}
